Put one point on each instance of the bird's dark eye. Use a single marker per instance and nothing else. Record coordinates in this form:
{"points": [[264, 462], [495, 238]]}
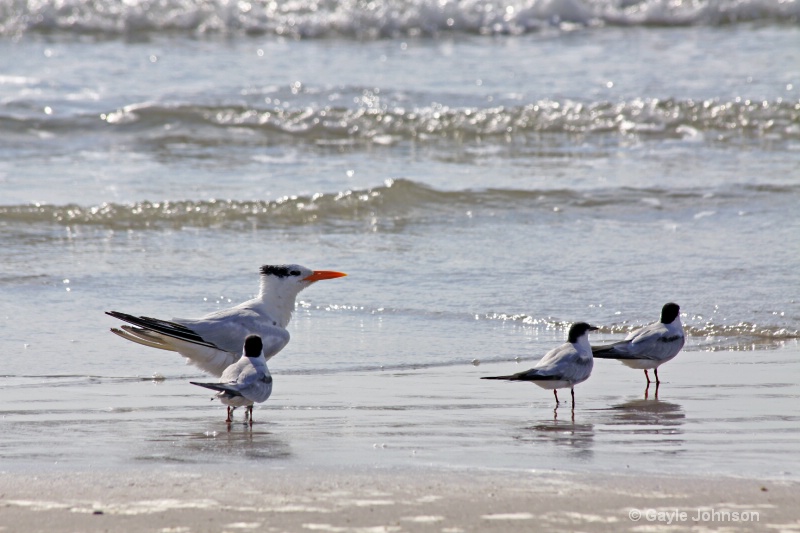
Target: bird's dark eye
{"points": [[295, 272]]}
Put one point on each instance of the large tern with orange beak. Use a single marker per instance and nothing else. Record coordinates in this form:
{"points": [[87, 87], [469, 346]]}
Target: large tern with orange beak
{"points": [[214, 341]]}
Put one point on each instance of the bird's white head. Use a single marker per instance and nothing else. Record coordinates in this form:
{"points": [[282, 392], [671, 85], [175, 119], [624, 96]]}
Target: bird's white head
{"points": [[280, 285]]}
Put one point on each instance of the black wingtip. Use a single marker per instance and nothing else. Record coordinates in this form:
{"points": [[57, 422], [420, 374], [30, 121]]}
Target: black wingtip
{"points": [[164, 327], [603, 355], [601, 349], [608, 352], [212, 386], [219, 387]]}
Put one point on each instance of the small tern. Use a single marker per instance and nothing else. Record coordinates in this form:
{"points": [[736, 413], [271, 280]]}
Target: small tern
{"points": [[214, 341], [562, 367], [245, 382], [650, 346]]}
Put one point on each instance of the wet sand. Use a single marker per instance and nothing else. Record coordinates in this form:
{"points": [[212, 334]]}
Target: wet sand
{"points": [[389, 500]]}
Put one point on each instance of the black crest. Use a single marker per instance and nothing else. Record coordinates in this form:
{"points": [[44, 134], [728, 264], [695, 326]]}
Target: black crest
{"points": [[279, 271]]}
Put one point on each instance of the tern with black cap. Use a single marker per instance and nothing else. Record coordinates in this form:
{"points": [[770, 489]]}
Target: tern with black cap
{"points": [[562, 367], [245, 382], [651, 346]]}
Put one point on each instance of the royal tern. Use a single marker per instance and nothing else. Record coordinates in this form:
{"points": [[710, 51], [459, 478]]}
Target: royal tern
{"points": [[245, 382], [562, 367], [651, 346], [214, 341]]}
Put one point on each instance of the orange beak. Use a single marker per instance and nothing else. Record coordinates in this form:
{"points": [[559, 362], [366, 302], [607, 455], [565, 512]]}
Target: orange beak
{"points": [[318, 275]]}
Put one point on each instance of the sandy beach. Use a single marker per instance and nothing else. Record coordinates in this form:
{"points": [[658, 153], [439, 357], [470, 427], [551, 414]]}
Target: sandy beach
{"points": [[360, 500]]}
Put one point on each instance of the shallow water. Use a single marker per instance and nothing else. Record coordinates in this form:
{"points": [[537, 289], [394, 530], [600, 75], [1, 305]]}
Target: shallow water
{"points": [[715, 413], [484, 176]]}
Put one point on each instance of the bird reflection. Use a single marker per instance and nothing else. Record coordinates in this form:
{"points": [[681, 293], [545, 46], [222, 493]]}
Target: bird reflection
{"points": [[237, 441], [661, 417], [562, 431], [647, 390], [571, 413]]}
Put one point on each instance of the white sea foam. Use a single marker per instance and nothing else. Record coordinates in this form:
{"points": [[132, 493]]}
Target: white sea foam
{"points": [[381, 18]]}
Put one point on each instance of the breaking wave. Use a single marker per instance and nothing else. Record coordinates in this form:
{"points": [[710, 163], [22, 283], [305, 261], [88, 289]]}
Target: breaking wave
{"points": [[696, 327], [378, 120], [395, 201], [375, 18]]}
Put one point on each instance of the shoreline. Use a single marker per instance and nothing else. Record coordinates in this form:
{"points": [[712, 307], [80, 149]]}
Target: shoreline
{"points": [[186, 499]]}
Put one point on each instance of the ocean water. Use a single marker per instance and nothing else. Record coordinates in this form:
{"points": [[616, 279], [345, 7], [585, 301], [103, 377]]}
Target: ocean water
{"points": [[485, 172]]}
